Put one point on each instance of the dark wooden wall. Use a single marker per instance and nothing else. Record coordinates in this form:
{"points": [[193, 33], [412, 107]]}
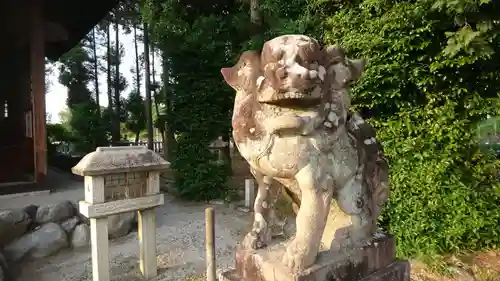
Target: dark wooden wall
{"points": [[16, 144]]}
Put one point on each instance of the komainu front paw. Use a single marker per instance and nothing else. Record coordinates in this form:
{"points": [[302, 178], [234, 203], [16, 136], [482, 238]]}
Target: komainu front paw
{"points": [[254, 240], [297, 256]]}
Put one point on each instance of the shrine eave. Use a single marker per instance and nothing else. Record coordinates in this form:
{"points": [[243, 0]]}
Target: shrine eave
{"points": [[77, 18]]}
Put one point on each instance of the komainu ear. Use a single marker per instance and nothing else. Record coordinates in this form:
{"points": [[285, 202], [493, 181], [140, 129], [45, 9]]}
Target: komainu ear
{"points": [[229, 76], [334, 54], [357, 68]]}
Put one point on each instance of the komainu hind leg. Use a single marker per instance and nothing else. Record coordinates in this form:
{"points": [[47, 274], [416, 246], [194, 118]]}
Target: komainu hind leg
{"points": [[264, 216]]}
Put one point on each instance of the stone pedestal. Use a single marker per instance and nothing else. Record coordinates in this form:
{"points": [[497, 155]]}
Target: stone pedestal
{"points": [[374, 261]]}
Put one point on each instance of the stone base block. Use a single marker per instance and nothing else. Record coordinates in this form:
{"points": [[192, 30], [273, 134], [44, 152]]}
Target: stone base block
{"points": [[396, 271], [372, 261]]}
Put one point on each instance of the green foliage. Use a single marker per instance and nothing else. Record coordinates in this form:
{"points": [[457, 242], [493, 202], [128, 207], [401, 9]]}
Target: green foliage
{"points": [[56, 133], [431, 78], [136, 118], [87, 129], [200, 39], [431, 82], [84, 121], [198, 175]]}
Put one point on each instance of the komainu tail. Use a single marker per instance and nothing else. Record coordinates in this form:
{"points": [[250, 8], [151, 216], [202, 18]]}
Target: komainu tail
{"points": [[375, 169]]}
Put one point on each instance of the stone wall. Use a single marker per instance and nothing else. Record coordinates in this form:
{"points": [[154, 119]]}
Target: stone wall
{"points": [[41, 231]]}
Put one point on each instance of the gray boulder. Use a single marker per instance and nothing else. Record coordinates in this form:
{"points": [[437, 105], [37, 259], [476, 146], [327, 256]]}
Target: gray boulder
{"points": [[13, 224], [43, 242], [120, 225], [55, 212], [70, 224], [31, 211], [3, 268], [80, 236]]}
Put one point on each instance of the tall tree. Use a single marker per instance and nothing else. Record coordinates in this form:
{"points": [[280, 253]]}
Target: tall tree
{"points": [[137, 61], [113, 118], [75, 73], [95, 61], [134, 105], [117, 61], [156, 97], [147, 75], [210, 34]]}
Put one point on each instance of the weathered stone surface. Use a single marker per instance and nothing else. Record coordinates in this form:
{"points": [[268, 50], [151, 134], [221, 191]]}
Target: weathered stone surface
{"points": [[13, 224], [31, 211], [45, 241], [3, 268], [350, 263], [347, 264], [80, 236], [57, 212], [396, 271], [119, 159], [293, 123], [70, 224], [3, 261], [120, 225]]}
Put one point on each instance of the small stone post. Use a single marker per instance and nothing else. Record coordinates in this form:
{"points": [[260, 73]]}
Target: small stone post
{"points": [[210, 243], [119, 180]]}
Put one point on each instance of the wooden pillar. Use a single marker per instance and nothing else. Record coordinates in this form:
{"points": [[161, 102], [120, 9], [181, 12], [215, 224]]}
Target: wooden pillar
{"points": [[37, 65]]}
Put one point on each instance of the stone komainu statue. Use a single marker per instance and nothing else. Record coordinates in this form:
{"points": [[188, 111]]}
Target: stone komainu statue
{"points": [[292, 123]]}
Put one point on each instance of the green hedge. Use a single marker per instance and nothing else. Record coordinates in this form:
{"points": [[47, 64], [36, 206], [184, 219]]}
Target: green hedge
{"points": [[427, 102]]}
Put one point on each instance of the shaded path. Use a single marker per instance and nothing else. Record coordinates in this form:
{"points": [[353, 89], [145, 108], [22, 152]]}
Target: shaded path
{"points": [[180, 242]]}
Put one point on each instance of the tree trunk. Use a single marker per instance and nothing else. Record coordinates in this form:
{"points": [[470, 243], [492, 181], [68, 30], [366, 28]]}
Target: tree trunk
{"points": [[137, 137], [170, 142], [96, 72], [116, 129], [137, 70], [255, 17], [149, 117], [156, 96], [112, 118], [153, 78]]}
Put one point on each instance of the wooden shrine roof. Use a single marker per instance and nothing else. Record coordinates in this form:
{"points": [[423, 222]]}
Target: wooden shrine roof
{"points": [[66, 23], [78, 17]]}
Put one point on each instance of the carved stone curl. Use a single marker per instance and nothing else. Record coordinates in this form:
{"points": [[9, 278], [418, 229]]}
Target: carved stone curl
{"points": [[292, 123]]}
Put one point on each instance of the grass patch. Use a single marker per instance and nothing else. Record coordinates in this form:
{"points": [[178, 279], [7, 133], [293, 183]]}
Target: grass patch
{"points": [[484, 266]]}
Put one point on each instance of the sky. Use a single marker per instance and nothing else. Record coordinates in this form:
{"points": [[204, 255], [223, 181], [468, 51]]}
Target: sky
{"points": [[57, 93]]}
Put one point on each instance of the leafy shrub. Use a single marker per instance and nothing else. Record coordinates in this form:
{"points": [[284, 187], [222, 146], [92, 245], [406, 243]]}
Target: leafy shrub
{"points": [[426, 94], [198, 175]]}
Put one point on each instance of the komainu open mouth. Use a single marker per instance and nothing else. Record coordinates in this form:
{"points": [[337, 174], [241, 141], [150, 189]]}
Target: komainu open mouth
{"points": [[292, 99]]}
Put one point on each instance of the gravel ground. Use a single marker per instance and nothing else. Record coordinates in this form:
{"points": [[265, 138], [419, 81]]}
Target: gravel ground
{"points": [[180, 242]]}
